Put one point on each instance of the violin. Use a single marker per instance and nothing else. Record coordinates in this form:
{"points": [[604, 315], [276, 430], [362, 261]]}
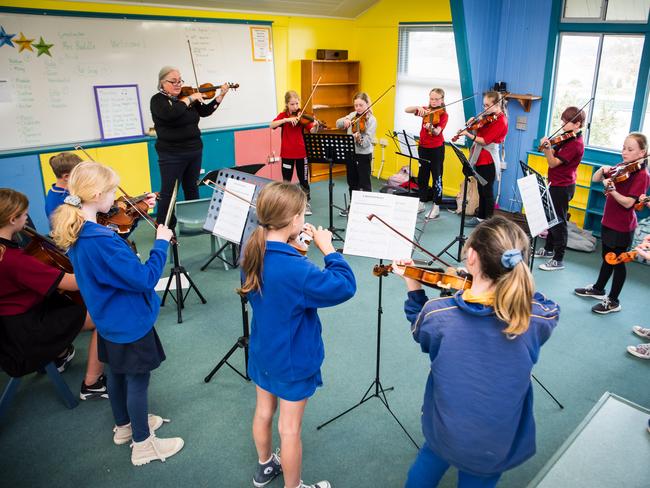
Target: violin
{"points": [[624, 257], [476, 124], [208, 89], [359, 123], [46, 251], [301, 243], [433, 117], [554, 141], [306, 119], [638, 206], [434, 277], [623, 171], [124, 214]]}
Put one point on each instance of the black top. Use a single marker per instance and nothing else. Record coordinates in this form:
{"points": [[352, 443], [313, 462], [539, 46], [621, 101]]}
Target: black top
{"points": [[177, 125]]}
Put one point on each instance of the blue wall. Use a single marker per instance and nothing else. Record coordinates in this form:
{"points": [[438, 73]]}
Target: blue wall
{"points": [[507, 41]]}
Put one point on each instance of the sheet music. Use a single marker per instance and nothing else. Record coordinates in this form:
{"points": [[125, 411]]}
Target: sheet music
{"points": [[234, 212], [532, 200], [372, 239]]}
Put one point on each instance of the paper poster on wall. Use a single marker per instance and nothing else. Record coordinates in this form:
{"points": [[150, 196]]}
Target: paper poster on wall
{"points": [[261, 43], [118, 110]]}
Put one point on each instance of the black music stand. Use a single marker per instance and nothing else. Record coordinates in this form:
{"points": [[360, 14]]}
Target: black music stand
{"points": [[396, 141], [468, 172], [251, 224], [376, 389], [330, 149]]}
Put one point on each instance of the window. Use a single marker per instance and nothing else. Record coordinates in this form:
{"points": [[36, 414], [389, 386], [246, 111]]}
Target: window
{"points": [[606, 10], [426, 60], [603, 66], [645, 124]]}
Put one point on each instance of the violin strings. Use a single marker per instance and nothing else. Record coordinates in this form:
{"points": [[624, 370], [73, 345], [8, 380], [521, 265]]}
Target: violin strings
{"points": [[147, 217]]}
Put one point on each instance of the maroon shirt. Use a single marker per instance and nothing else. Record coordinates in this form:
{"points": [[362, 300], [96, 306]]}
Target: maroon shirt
{"points": [[430, 141], [617, 217], [24, 281], [493, 132], [570, 153], [293, 144]]}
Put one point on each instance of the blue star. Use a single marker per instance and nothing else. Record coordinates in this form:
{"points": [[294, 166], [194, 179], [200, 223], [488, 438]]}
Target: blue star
{"points": [[6, 38]]}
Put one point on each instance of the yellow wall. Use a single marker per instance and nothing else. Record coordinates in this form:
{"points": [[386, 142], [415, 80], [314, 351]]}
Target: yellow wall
{"points": [[371, 38]]}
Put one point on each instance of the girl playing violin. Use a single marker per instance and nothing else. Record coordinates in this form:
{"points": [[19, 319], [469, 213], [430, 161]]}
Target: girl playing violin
{"points": [[292, 148], [563, 160], [358, 171], [618, 223], [482, 343], [431, 148], [485, 154], [286, 349], [37, 323], [178, 141], [119, 292]]}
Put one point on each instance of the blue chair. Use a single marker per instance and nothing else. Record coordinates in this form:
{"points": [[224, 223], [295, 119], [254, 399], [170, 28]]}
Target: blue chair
{"points": [[61, 386]]}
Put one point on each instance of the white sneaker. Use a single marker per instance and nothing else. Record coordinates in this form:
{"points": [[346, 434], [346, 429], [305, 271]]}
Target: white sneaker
{"points": [[320, 484], [434, 213], [641, 331], [308, 210], [123, 434], [420, 207], [153, 448]]}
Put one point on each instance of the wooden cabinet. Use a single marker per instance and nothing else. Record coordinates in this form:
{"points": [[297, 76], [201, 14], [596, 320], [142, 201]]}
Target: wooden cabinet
{"points": [[339, 82]]}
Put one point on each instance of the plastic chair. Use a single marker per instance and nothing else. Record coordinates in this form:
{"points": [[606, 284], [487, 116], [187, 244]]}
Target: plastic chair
{"points": [[61, 386]]}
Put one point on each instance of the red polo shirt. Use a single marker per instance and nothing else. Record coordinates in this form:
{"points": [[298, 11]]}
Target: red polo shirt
{"points": [[430, 141], [293, 144], [493, 132], [617, 217], [570, 153]]}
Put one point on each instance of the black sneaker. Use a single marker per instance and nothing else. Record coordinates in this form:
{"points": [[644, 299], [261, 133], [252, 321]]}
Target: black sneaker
{"points": [[607, 306], [265, 473], [590, 291], [62, 362], [96, 390]]}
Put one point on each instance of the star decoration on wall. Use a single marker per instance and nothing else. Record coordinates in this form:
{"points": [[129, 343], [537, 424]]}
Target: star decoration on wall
{"points": [[24, 43], [6, 38], [42, 47]]}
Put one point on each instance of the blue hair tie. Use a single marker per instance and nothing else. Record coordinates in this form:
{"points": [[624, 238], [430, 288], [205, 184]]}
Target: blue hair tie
{"points": [[510, 258]]}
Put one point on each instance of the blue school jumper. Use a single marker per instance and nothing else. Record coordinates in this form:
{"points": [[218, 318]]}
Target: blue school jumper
{"points": [[478, 403], [117, 288], [54, 198], [286, 347]]}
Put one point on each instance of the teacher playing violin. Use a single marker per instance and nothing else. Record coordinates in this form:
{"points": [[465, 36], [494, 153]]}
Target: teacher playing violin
{"points": [[179, 144]]}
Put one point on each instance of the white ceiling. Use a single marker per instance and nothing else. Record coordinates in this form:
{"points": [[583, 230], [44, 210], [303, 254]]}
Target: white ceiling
{"points": [[312, 8]]}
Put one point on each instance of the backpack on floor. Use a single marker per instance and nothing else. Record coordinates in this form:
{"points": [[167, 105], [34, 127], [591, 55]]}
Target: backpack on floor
{"points": [[472, 197]]}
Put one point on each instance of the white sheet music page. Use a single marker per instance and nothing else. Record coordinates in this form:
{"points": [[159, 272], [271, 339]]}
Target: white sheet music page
{"points": [[532, 200], [372, 239], [233, 211]]}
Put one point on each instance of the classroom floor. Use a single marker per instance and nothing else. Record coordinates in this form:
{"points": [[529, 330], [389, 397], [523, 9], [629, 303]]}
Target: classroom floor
{"points": [[44, 444]]}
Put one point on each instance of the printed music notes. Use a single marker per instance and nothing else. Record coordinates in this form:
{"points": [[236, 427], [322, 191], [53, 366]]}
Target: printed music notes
{"points": [[234, 212]]}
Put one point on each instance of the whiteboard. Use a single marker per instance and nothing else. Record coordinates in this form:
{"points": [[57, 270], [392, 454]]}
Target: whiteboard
{"points": [[49, 99]]}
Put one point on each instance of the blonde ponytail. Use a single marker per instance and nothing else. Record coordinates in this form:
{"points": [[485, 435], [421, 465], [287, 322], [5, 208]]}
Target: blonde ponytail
{"points": [[492, 240], [87, 181], [278, 203]]}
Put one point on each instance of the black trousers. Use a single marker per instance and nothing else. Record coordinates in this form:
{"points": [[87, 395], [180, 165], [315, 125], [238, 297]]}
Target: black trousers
{"points": [[359, 173], [558, 234], [616, 242], [184, 168], [302, 171], [432, 167], [486, 192]]}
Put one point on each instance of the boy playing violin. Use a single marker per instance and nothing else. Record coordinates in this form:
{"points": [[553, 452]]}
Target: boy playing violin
{"points": [[61, 165], [563, 159]]}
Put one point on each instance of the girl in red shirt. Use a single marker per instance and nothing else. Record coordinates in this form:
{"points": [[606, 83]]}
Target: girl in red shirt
{"points": [[432, 149], [38, 324], [485, 154], [618, 223], [292, 148]]}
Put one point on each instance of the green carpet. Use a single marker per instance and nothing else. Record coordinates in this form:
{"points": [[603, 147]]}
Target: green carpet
{"points": [[44, 444]]}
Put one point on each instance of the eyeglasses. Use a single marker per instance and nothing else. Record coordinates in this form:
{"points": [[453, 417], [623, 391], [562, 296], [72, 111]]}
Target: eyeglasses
{"points": [[175, 82]]}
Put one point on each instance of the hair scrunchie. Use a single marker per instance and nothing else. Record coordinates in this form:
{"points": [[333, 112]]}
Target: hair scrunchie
{"points": [[73, 200], [510, 258]]}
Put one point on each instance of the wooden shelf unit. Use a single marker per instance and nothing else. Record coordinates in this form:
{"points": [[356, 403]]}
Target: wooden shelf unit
{"points": [[525, 100], [339, 82]]}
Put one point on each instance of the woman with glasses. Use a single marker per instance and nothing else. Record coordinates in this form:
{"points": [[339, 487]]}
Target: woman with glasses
{"points": [[179, 145]]}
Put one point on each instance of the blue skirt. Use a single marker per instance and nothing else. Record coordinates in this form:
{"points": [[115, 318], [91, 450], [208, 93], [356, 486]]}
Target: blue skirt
{"points": [[137, 357], [292, 391]]}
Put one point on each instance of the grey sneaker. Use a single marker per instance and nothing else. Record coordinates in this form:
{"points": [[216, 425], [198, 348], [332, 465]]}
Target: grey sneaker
{"points": [[265, 473], [343, 213], [543, 253], [473, 222], [641, 331], [552, 265], [607, 306], [590, 291], [320, 484], [434, 213], [308, 210], [420, 207]]}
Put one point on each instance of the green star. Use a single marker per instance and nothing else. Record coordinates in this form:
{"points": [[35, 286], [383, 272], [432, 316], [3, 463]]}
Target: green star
{"points": [[42, 47]]}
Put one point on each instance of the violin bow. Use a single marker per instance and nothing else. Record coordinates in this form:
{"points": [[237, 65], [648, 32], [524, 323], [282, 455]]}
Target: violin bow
{"points": [[357, 117], [196, 78], [313, 90], [572, 118], [78, 147], [172, 202], [215, 186], [145, 216], [436, 258], [438, 109]]}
